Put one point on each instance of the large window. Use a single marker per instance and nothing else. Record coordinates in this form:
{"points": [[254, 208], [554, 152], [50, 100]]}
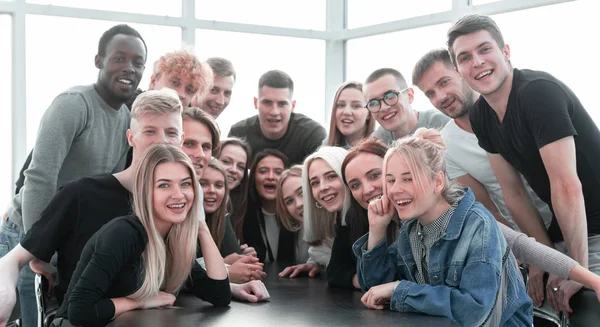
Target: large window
{"points": [[305, 14], [364, 13], [163, 8], [60, 56], [558, 39], [253, 55], [398, 50], [6, 185]]}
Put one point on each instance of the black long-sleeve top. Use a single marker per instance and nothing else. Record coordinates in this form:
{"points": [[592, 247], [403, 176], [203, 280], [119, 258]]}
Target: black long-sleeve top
{"points": [[342, 264], [253, 223], [111, 267]]}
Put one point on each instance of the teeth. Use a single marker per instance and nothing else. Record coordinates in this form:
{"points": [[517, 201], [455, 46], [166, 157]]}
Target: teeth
{"points": [[176, 206], [346, 121], [210, 200], [329, 197], [375, 198], [401, 202], [484, 74], [388, 116], [124, 81], [198, 166]]}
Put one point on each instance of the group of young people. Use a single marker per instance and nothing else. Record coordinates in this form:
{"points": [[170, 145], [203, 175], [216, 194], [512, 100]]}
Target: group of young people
{"points": [[429, 213]]}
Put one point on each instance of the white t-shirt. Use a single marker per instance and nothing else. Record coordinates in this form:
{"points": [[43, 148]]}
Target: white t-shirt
{"points": [[464, 156]]}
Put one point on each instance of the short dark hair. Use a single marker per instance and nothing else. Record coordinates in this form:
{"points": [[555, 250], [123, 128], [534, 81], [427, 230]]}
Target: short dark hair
{"points": [[428, 60], [116, 30], [469, 24], [276, 79], [221, 67], [387, 71]]}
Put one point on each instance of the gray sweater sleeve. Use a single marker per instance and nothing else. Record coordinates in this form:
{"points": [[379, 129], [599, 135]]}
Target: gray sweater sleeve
{"points": [[528, 250], [59, 126]]}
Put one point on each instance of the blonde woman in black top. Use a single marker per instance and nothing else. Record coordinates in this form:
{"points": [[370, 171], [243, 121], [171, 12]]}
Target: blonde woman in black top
{"points": [[143, 260]]}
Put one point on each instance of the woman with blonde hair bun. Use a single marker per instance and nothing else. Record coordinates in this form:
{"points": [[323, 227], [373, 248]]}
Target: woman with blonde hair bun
{"points": [[449, 253], [144, 259]]}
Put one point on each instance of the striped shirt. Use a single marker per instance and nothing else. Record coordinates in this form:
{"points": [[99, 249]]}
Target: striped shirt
{"points": [[422, 239]]}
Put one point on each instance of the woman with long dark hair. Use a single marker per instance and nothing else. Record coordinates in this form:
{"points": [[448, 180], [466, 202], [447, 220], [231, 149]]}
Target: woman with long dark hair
{"points": [[262, 228]]}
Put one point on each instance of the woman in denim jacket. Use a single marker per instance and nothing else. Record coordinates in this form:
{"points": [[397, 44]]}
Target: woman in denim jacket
{"points": [[452, 260]]}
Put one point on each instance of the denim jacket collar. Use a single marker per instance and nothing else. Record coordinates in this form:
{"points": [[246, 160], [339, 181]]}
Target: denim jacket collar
{"points": [[456, 223]]}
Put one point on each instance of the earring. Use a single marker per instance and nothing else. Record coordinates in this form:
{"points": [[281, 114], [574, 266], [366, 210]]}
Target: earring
{"points": [[318, 205]]}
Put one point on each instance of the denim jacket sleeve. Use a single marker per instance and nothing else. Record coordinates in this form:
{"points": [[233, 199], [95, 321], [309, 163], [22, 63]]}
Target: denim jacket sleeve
{"points": [[468, 304], [471, 282], [374, 267]]}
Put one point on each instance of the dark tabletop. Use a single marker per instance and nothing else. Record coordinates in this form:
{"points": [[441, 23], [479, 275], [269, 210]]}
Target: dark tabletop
{"points": [[301, 301]]}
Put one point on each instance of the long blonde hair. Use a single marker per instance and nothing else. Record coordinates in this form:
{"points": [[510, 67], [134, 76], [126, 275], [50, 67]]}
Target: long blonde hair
{"points": [[319, 224], [290, 223], [166, 263], [423, 154]]}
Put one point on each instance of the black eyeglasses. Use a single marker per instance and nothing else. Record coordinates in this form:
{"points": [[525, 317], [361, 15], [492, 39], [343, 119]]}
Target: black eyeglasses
{"points": [[390, 98]]}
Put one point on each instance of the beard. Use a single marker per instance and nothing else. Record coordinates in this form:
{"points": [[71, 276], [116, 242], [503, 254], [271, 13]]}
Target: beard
{"points": [[467, 102]]}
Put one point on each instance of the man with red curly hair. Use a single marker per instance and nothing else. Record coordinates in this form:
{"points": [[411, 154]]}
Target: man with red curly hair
{"points": [[182, 72]]}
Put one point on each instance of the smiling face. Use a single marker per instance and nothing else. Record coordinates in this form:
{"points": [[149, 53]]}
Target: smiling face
{"points": [[292, 197], [275, 108], [213, 186], [183, 84], [121, 67], [481, 62], [172, 196], [363, 176], [402, 187], [326, 186], [197, 144], [234, 160], [351, 116], [267, 174], [217, 99], [446, 90], [395, 117], [150, 129]]}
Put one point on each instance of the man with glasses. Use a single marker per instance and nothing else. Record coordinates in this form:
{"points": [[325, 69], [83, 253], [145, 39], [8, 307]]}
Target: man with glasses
{"points": [[389, 100]]}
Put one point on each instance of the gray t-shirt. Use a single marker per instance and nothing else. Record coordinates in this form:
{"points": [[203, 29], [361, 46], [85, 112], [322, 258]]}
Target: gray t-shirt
{"points": [[431, 118], [272, 229], [79, 135]]}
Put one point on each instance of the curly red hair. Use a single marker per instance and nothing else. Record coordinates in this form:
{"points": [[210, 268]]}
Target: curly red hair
{"points": [[183, 62]]}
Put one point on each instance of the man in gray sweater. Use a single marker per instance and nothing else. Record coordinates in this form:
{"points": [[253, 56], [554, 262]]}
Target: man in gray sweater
{"points": [[80, 134]]}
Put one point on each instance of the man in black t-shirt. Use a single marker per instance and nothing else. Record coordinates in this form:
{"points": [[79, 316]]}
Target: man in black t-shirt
{"points": [[531, 123], [276, 126]]}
